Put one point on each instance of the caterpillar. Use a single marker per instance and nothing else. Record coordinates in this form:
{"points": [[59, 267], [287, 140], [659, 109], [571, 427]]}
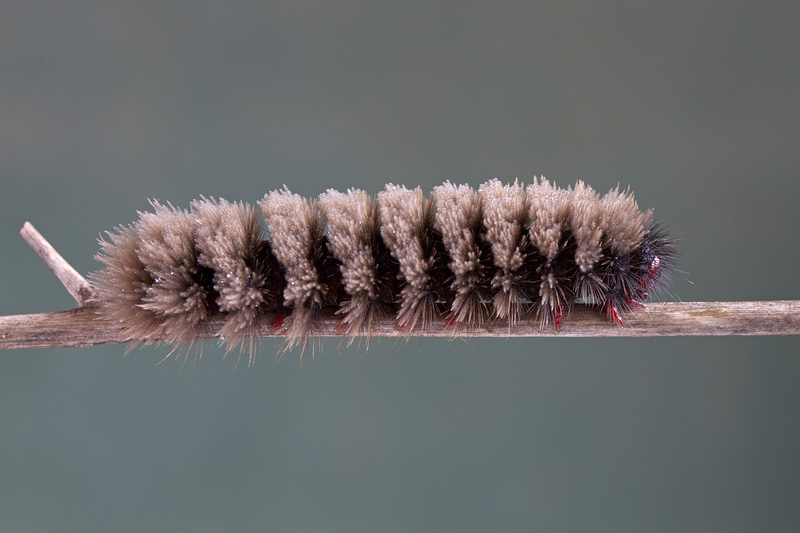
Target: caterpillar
{"points": [[501, 252]]}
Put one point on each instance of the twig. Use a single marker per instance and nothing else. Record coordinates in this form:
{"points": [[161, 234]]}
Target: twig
{"points": [[77, 286], [86, 326]]}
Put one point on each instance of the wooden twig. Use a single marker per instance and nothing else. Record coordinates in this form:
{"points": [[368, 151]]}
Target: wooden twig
{"points": [[78, 287], [86, 326]]}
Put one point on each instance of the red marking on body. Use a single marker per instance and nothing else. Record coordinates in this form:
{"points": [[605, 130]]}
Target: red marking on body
{"points": [[453, 323], [279, 322], [647, 283], [613, 312], [341, 326], [401, 327], [558, 316], [655, 266]]}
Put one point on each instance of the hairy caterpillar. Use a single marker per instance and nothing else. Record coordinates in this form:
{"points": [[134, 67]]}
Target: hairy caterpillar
{"points": [[501, 252]]}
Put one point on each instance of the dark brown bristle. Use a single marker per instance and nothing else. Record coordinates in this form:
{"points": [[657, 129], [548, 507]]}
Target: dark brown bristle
{"points": [[503, 252]]}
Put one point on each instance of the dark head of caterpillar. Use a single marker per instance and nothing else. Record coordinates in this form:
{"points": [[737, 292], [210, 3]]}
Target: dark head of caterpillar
{"points": [[460, 256]]}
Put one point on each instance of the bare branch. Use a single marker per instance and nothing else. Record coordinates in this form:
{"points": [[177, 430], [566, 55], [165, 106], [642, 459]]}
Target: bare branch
{"points": [[86, 327], [76, 284]]}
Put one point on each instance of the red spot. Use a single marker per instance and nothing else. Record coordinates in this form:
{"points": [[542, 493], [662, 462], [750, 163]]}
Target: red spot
{"points": [[558, 316], [647, 283], [341, 326], [279, 322], [613, 312], [453, 323], [401, 327]]}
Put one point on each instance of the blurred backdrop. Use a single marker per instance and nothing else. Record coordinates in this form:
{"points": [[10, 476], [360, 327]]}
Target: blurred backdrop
{"points": [[104, 105]]}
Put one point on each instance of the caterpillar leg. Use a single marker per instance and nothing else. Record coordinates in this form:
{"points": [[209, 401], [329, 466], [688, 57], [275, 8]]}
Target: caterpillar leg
{"points": [[613, 312]]}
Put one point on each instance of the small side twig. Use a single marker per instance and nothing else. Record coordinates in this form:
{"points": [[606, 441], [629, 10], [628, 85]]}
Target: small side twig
{"points": [[86, 325], [78, 287]]}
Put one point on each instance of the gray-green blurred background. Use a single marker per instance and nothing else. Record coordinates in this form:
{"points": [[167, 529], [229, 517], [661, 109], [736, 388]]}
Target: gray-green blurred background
{"points": [[104, 105]]}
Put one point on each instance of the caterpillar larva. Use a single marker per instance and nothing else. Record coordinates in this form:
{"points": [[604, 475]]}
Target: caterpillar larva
{"points": [[501, 252]]}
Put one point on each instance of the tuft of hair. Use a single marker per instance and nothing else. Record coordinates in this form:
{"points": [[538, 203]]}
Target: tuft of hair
{"points": [[229, 237], [354, 239], [624, 227], [459, 217], [505, 219], [652, 262], [296, 229], [550, 209], [586, 223], [408, 232], [154, 284]]}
